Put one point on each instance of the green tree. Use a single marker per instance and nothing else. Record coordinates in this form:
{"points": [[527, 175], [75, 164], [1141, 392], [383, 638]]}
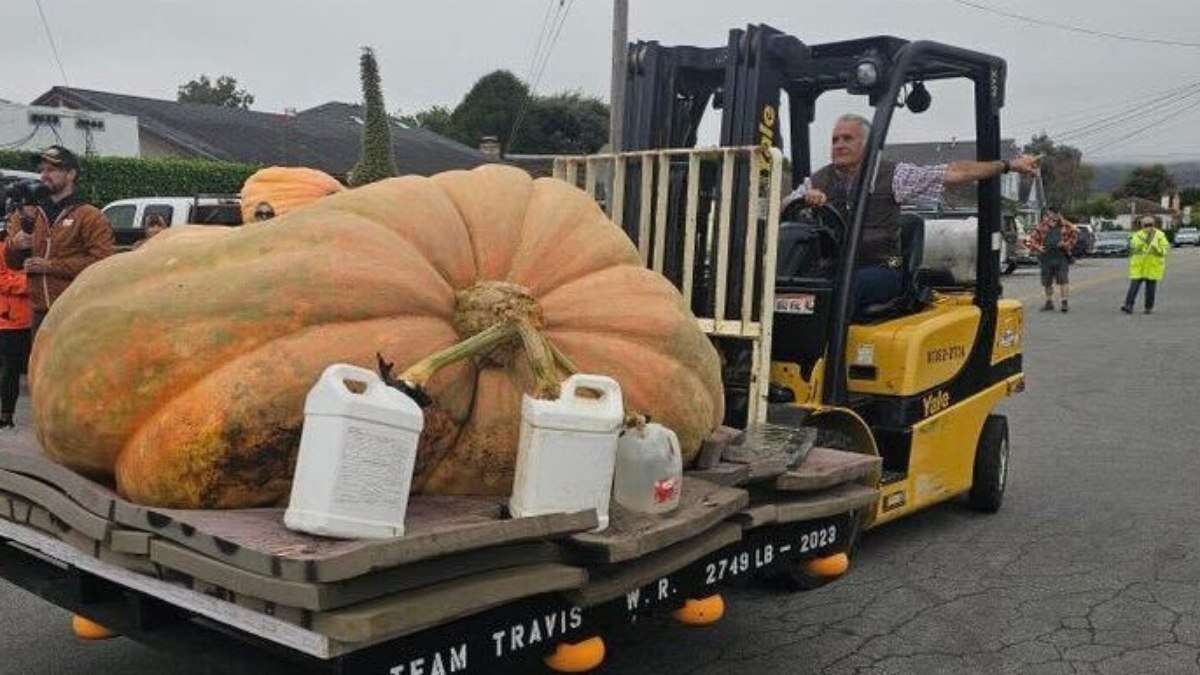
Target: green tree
{"points": [[489, 109], [1148, 182], [1100, 206], [376, 161], [1189, 196], [223, 92], [435, 119], [1068, 181], [568, 123]]}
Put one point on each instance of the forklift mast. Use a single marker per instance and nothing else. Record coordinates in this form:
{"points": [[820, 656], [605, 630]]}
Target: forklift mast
{"points": [[668, 90]]}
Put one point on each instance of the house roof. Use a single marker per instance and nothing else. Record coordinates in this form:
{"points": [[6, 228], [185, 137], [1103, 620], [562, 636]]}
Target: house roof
{"points": [[1143, 207], [942, 152], [326, 137]]}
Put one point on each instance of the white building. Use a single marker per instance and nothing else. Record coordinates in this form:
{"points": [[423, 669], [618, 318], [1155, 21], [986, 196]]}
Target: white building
{"points": [[30, 127]]}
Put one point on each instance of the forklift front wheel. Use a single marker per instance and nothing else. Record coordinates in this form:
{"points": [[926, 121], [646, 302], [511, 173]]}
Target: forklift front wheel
{"points": [[991, 466], [577, 657]]}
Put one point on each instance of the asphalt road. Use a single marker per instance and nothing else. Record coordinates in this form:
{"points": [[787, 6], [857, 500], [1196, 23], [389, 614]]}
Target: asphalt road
{"points": [[1092, 566]]}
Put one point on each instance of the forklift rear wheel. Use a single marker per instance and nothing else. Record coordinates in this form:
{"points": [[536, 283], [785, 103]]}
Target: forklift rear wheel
{"points": [[991, 466]]}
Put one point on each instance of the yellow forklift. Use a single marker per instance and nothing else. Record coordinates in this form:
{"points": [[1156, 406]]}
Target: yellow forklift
{"points": [[918, 381]]}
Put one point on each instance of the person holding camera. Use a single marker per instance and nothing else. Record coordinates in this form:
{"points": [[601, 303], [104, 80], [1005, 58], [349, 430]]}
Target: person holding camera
{"points": [[1053, 240], [67, 234], [1147, 263]]}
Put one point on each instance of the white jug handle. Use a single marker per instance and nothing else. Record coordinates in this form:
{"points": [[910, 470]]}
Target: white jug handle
{"points": [[339, 373], [605, 385]]}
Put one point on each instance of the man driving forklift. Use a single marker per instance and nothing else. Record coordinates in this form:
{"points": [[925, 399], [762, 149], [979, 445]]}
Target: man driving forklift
{"points": [[877, 276]]}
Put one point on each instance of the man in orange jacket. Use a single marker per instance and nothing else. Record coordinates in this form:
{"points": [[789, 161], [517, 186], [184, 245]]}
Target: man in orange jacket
{"points": [[68, 234], [14, 335]]}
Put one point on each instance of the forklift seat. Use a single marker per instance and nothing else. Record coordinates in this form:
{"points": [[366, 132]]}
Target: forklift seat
{"points": [[913, 294]]}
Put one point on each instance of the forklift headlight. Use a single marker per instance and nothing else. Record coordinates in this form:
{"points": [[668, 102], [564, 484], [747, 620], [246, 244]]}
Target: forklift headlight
{"points": [[866, 74]]}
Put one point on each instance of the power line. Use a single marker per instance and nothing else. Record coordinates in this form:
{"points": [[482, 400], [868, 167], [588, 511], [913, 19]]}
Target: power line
{"points": [[541, 70], [1155, 125], [1082, 116], [53, 46], [1134, 113], [1076, 29]]}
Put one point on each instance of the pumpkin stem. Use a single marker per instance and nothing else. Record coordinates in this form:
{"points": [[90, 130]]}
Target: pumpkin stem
{"points": [[561, 359], [541, 360], [419, 374]]}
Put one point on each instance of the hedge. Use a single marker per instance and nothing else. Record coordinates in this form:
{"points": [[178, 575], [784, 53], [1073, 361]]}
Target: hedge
{"points": [[107, 179]]}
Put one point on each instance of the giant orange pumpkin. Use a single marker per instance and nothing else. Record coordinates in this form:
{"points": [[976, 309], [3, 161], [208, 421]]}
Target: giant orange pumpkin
{"points": [[182, 370]]}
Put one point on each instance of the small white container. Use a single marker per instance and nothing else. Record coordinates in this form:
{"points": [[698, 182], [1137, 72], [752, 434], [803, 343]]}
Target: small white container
{"points": [[357, 453], [649, 473], [568, 449]]}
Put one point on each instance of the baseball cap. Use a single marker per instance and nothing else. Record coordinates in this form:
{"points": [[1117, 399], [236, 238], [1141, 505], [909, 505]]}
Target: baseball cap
{"points": [[58, 156]]}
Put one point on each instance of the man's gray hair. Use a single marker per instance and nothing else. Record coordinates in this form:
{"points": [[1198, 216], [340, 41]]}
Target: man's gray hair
{"points": [[859, 119]]}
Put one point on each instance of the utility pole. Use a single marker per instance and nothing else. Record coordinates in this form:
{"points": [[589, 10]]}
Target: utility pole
{"points": [[620, 44]]}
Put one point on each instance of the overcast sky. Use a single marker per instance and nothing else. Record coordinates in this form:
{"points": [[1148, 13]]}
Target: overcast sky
{"points": [[296, 54]]}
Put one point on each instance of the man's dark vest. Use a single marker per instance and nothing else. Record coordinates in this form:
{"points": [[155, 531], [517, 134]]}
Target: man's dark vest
{"points": [[881, 232]]}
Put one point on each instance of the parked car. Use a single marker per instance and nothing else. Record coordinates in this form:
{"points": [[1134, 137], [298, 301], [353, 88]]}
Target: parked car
{"points": [[1187, 235], [128, 216], [1112, 244]]}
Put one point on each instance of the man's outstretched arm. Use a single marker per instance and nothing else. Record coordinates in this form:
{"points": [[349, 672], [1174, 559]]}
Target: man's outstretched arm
{"points": [[967, 171]]}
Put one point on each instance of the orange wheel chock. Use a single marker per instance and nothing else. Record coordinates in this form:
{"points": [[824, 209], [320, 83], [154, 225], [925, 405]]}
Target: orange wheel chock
{"points": [[579, 657], [828, 567], [702, 612], [86, 629]]}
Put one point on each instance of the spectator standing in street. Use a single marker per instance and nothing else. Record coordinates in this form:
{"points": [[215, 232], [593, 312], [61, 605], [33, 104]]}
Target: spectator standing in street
{"points": [[1053, 239], [68, 235], [1147, 263], [14, 332]]}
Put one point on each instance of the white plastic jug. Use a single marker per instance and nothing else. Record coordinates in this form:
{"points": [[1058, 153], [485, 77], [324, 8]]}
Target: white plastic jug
{"points": [[568, 449], [357, 454], [649, 473]]}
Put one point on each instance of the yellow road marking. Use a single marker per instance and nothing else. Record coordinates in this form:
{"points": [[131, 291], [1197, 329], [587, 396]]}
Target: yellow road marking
{"points": [[1102, 279]]}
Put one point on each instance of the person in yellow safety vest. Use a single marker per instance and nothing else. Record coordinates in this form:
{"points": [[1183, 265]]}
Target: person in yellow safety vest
{"points": [[1147, 263]]}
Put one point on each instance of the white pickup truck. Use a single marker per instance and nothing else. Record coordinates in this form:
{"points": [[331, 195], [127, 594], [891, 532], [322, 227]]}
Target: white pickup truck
{"points": [[128, 216]]}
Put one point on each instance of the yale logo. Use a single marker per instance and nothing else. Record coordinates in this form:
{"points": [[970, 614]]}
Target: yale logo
{"points": [[766, 132], [936, 402]]}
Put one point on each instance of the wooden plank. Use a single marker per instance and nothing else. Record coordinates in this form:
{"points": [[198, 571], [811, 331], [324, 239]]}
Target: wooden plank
{"points": [[766, 468], [130, 541], [254, 623], [689, 227], [638, 573], [56, 502], [725, 473], [632, 535], [660, 212], [826, 467], [757, 516], [828, 503], [714, 447], [727, 168], [135, 563], [772, 440], [256, 540], [24, 456], [217, 573], [645, 209], [416, 610], [326, 596], [20, 510]]}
